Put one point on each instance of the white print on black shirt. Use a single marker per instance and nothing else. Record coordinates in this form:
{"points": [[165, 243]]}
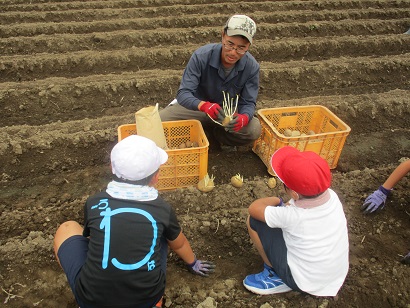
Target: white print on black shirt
{"points": [[105, 224]]}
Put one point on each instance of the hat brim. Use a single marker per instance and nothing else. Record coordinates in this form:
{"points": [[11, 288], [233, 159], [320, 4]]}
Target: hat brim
{"points": [[278, 157], [233, 32], [163, 156]]}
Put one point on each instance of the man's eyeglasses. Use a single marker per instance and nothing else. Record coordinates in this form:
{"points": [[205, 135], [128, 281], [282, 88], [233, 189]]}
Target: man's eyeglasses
{"points": [[239, 50]]}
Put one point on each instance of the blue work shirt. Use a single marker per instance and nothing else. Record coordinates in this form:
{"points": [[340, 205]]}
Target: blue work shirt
{"points": [[204, 80]]}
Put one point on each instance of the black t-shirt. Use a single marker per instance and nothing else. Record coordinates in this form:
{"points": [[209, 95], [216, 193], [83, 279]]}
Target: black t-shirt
{"points": [[123, 262]]}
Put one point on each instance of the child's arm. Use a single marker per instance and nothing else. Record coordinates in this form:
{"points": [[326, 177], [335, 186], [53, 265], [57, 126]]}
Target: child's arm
{"points": [[397, 175], [183, 249], [257, 207], [377, 199]]}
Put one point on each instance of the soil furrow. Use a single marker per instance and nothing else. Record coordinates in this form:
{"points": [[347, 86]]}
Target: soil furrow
{"points": [[270, 14], [327, 77], [282, 48], [63, 99], [86, 63], [22, 6], [21, 68], [54, 99], [340, 27]]}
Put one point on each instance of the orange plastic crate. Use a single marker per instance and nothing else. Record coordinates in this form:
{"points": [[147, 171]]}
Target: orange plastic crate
{"points": [[185, 167], [328, 140]]}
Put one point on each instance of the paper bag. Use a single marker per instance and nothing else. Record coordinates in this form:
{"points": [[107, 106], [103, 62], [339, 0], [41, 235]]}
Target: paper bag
{"points": [[149, 125]]}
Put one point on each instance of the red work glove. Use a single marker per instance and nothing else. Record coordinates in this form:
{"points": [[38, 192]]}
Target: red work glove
{"points": [[238, 122], [212, 109]]}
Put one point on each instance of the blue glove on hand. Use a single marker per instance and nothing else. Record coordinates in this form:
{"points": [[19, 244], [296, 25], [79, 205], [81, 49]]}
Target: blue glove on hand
{"points": [[375, 201], [201, 268], [406, 259]]}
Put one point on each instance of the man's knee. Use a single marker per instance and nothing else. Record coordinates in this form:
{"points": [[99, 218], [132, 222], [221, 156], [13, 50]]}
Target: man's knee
{"points": [[255, 129], [164, 114]]}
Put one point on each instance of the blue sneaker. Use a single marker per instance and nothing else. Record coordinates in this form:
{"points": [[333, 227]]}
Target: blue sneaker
{"points": [[265, 283]]}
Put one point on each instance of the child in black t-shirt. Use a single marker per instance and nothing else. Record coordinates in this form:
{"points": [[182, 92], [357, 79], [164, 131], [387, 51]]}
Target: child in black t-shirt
{"points": [[119, 258]]}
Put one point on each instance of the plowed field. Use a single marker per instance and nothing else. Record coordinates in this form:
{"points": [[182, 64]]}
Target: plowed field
{"points": [[71, 72]]}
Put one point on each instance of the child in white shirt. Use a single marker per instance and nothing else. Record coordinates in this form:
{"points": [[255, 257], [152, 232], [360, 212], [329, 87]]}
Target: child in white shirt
{"points": [[304, 244]]}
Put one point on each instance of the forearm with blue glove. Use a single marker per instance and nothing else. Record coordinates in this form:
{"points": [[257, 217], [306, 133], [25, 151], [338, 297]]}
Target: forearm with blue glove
{"points": [[376, 201]]}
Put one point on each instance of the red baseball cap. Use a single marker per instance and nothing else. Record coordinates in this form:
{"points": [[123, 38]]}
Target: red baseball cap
{"points": [[304, 172]]}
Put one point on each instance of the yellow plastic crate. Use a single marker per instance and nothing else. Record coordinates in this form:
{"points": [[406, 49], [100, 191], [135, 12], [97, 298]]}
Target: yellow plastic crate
{"points": [[328, 139], [185, 167]]}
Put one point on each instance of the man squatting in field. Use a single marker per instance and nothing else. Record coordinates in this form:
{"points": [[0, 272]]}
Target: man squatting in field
{"points": [[215, 69]]}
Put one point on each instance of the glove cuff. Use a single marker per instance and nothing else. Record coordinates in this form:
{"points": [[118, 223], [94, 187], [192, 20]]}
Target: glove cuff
{"points": [[204, 105], [193, 263], [385, 190]]}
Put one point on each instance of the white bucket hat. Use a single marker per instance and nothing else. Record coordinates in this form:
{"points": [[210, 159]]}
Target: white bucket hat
{"points": [[135, 158]]}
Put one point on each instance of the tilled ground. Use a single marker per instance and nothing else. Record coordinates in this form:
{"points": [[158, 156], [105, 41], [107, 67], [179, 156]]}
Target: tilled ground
{"points": [[72, 72]]}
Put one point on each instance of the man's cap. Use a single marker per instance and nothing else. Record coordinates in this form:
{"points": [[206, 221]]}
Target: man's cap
{"points": [[241, 25], [304, 172], [135, 158]]}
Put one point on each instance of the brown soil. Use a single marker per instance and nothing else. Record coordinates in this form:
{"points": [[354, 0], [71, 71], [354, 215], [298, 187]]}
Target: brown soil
{"points": [[72, 72]]}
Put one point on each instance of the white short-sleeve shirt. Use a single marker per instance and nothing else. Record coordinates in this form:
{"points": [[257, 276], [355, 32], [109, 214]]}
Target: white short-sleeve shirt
{"points": [[317, 243]]}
